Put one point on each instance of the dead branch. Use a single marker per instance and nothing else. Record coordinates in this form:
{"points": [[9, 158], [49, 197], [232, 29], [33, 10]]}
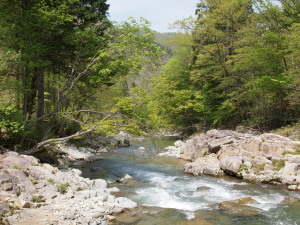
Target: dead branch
{"points": [[38, 147]]}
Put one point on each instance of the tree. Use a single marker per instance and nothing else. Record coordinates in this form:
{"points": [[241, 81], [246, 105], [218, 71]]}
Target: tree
{"points": [[61, 50], [216, 37]]}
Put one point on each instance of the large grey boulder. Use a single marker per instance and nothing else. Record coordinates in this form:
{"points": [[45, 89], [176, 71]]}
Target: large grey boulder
{"points": [[194, 148], [215, 145], [231, 165], [252, 144], [290, 169], [206, 165], [19, 161], [100, 184]]}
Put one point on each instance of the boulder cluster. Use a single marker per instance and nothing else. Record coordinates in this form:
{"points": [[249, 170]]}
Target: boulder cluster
{"points": [[69, 198], [266, 158]]}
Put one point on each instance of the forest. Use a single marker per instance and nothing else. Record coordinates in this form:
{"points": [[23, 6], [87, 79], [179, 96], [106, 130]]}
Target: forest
{"points": [[67, 70]]}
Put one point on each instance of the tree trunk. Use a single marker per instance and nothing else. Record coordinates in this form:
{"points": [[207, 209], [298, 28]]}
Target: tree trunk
{"points": [[41, 96]]}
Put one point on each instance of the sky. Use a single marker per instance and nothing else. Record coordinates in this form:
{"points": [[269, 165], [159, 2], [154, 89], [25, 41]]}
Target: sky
{"points": [[160, 13]]}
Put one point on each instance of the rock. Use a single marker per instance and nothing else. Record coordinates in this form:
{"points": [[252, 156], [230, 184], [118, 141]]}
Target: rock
{"points": [[231, 165], [100, 184], [29, 187], [253, 144], [248, 164], [270, 149], [194, 148], [238, 209], [49, 192], [125, 203], [93, 158], [171, 153], [290, 201], [85, 202], [120, 141], [142, 148], [76, 171], [125, 179], [292, 158], [207, 165], [171, 148], [215, 146], [247, 130], [178, 143], [290, 169], [4, 209], [258, 160], [24, 204], [39, 173], [268, 167], [203, 188], [20, 161], [7, 154], [292, 187], [218, 134], [196, 221], [50, 168], [274, 137], [7, 186], [20, 174], [6, 178]]}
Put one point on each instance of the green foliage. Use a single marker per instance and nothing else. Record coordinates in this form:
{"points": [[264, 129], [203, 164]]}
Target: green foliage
{"points": [[291, 131], [12, 208], [244, 167], [11, 125], [62, 188], [35, 181], [36, 198], [51, 181], [58, 57], [16, 167], [169, 101], [297, 152], [278, 164], [258, 168]]}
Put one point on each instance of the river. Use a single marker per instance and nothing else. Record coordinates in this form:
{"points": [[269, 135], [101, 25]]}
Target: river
{"points": [[167, 196]]}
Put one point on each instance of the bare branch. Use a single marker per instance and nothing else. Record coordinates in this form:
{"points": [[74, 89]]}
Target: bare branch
{"points": [[39, 146]]}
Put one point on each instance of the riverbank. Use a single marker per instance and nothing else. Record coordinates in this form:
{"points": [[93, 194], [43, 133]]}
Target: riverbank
{"points": [[166, 195], [48, 195], [254, 157]]}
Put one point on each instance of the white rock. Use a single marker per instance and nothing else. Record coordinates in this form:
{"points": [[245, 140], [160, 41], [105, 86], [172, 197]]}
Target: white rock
{"points": [[231, 164], [99, 184], [178, 143], [76, 171]]}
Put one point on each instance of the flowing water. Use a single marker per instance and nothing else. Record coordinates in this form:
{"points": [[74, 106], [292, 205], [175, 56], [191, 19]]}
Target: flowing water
{"points": [[166, 195]]}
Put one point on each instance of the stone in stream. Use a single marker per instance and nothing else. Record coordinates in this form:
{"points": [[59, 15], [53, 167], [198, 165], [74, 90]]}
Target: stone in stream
{"points": [[206, 165], [203, 188], [125, 179], [196, 221], [238, 207], [290, 201], [231, 164]]}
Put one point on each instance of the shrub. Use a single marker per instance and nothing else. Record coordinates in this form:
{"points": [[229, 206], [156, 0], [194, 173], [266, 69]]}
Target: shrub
{"points": [[278, 164], [36, 198], [51, 181], [35, 181], [259, 167], [62, 188]]}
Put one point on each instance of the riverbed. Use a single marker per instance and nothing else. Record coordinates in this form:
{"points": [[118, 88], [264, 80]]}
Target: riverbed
{"points": [[165, 195]]}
